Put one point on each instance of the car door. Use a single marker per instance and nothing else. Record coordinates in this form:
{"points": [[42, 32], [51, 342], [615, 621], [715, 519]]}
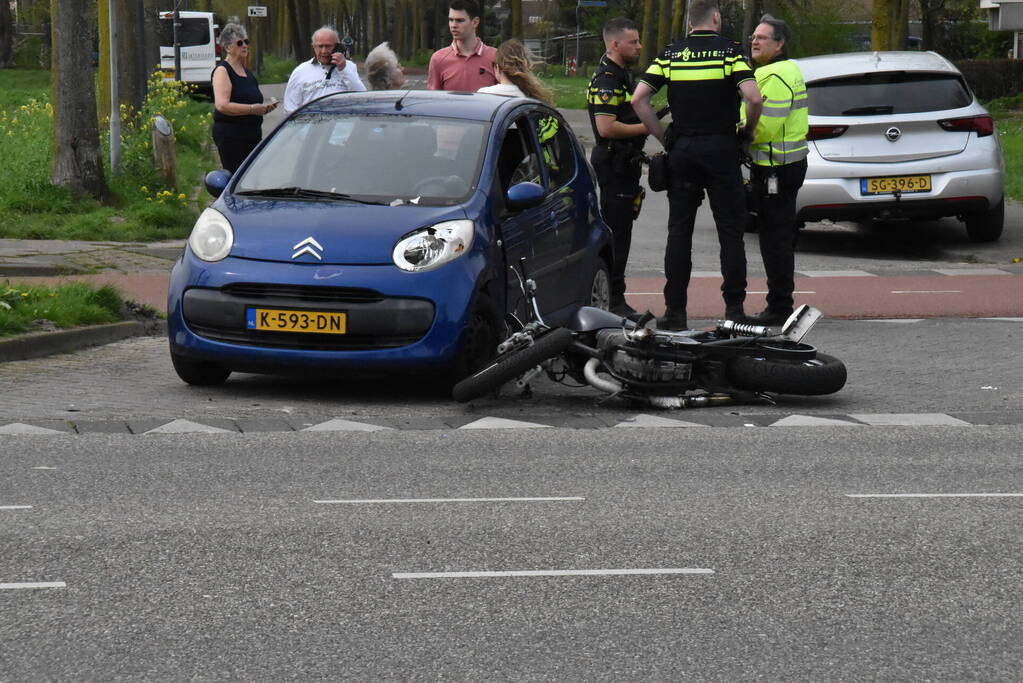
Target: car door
{"points": [[556, 232], [517, 161]]}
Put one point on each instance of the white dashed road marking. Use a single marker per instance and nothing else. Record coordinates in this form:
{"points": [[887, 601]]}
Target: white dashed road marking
{"points": [[909, 419], [927, 291], [31, 584], [502, 423], [368, 501], [974, 271], [934, 495], [186, 427], [339, 425], [547, 572], [811, 421], [22, 429], [655, 421], [836, 273], [15, 507]]}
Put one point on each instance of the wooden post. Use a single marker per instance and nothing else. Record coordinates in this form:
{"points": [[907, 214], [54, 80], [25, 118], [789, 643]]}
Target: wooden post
{"points": [[164, 152]]}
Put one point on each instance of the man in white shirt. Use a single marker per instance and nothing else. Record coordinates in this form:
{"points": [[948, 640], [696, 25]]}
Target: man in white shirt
{"points": [[328, 72]]}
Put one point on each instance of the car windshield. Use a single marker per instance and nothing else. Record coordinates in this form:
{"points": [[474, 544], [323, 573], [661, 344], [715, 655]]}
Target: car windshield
{"points": [[387, 159], [882, 94]]}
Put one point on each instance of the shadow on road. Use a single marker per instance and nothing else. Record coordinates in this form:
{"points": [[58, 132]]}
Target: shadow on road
{"points": [[930, 241]]}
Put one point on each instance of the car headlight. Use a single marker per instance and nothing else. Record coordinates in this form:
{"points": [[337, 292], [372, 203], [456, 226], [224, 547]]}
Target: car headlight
{"points": [[428, 248], [212, 236]]}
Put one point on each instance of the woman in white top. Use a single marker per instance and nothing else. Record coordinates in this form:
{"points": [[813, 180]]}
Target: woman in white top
{"points": [[515, 77]]}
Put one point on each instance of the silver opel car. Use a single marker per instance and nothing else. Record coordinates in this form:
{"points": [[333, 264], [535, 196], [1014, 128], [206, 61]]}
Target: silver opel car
{"points": [[899, 135]]}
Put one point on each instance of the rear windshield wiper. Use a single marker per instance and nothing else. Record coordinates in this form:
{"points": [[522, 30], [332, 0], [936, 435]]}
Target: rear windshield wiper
{"points": [[870, 109], [303, 193]]}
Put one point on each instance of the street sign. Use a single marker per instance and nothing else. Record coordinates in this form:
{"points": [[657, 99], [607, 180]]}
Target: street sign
{"points": [[592, 3], [256, 11]]}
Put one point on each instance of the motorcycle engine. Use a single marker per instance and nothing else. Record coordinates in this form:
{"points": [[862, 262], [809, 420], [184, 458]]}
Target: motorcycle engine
{"points": [[628, 364]]}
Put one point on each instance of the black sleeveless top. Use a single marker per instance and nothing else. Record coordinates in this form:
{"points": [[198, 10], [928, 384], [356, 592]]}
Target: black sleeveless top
{"points": [[244, 91]]}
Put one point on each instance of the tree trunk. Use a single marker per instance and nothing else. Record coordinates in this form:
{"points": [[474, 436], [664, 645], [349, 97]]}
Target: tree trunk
{"points": [[6, 36], [678, 19], [647, 37], [299, 43], [663, 27], [516, 19], [749, 21], [889, 24], [76, 155]]}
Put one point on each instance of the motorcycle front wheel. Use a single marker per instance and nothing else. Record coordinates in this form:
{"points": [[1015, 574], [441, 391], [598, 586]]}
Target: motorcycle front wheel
{"points": [[512, 364], [823, 375]]}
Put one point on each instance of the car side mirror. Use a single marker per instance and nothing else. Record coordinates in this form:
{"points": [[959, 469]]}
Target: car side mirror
{"points": [[523, 196], [216, 181]]}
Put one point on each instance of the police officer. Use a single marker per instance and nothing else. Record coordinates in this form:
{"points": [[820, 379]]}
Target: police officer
{"points": [[705, 74], [619, 139], [779, 153]]}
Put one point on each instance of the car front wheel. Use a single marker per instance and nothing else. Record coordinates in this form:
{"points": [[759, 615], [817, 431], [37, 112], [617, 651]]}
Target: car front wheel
{"points": [[986, 226], [200, 373], [600, 287]]}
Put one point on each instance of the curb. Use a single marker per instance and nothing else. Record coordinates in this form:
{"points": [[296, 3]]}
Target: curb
{"points": [[13, 270], [38, 344]]}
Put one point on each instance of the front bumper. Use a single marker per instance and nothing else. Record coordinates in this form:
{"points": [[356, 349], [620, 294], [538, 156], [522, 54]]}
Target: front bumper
{"points": [[395, 319]]}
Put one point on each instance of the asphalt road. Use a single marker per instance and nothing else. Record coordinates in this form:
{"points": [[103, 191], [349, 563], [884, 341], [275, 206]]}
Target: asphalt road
{"points": [[242, 557]]}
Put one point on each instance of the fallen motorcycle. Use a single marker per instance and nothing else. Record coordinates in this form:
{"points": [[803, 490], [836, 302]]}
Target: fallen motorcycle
{"points": [[734, 362]]}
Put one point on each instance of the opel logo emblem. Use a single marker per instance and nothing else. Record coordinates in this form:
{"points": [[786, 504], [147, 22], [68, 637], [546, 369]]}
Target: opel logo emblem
{"points": [[893, 134], [308, 246]]}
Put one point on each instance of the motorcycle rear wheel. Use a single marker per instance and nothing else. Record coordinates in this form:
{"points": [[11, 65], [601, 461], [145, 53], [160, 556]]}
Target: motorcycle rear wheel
{"points": [[823, 375], [512, 364]]}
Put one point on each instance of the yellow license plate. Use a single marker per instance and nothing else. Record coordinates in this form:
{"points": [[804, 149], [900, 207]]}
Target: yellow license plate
{"points": [[283, 320], [892, 184]]}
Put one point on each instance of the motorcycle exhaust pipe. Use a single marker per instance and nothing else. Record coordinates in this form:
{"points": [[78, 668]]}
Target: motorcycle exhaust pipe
{"points": [[609, 386]]}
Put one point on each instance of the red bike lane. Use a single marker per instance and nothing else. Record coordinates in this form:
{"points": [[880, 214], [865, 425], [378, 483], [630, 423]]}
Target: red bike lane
{"points": [[858, 296]]}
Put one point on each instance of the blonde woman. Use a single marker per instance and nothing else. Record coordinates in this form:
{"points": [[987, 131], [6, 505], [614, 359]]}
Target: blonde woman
{"points": [[515, 77]]}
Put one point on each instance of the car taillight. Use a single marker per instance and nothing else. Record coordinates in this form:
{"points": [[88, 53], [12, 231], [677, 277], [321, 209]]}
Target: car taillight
{"points": [[981, 125], [825, 132], [217, 50]]}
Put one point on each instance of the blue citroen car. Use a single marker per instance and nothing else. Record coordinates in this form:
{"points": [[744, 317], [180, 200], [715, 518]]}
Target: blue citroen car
{"points": [[377, 231]]}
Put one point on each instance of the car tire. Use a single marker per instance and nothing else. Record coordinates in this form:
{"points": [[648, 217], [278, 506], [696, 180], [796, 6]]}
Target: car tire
{"points": [[199, 373], [481, 337], [599, 295], [986, 226]]}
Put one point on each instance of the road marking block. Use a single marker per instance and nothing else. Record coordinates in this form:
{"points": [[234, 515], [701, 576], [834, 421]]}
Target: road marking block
{"points": [[447, 500], [547, 572], [934, 495], [644, 420], [339, 425], [502, 423], [894, 320], [15, 507], [811, 421], [1006, 320], [21, 429], [927, 291], [974, 271], [835, 273], [186, 427], [30, 584], [909, 419]]}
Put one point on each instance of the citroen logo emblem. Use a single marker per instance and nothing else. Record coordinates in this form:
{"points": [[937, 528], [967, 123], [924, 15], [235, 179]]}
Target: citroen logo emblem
{"points": [[308, 246], [893, 134]]}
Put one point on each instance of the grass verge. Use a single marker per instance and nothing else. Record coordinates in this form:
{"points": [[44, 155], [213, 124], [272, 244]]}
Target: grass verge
{"points": [[25, 308], [140, 206]]}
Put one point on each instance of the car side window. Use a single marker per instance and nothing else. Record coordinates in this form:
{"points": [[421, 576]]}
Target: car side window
{"points": [[517, 161], [556, 145]]}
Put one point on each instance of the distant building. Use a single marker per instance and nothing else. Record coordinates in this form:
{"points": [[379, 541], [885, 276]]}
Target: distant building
{"points": [[1006, 15]]}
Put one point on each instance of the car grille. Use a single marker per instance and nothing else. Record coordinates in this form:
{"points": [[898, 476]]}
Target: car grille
{"points": [[257, 290], [308, 342]]}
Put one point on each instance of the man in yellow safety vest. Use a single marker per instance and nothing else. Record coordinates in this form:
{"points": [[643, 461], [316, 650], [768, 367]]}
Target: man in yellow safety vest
{"points": [[778, 151]]}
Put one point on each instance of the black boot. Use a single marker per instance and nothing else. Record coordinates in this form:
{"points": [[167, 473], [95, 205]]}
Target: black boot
{"points": [[771, 317], [673, 319]]}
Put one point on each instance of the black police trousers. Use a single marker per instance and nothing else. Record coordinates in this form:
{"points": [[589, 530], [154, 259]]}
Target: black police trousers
{"points": [[618, 179], [711, 163], [776, 222]]}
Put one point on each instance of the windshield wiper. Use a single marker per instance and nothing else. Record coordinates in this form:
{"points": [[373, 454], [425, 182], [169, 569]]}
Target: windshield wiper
{"points": [[870, 109], [304, 193]]}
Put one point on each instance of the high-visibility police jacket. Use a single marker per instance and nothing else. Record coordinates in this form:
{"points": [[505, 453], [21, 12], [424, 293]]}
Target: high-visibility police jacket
{"points": [[780, 137]]}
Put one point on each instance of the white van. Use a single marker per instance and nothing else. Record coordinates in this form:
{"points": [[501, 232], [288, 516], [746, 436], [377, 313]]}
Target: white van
{"points": [[197, 35]]}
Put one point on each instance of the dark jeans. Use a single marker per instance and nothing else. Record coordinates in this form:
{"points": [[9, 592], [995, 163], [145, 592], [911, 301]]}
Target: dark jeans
{"points": [[711, 163], [234, 142], [776, 220], [619, 185]]}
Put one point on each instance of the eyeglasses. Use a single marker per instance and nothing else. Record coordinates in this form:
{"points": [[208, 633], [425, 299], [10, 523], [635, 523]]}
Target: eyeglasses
{"points": [[756, 37], [244, 41]]}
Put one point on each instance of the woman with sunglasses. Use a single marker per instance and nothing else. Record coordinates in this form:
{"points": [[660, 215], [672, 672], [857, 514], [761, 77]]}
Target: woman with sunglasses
{"points": [[238, 107]]}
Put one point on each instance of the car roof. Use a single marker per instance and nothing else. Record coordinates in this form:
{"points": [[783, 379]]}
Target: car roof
{"points": [[461, 105], [853, 63]]}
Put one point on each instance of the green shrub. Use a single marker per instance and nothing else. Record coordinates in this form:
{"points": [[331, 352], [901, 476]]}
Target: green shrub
{"points": [[67, 305]]}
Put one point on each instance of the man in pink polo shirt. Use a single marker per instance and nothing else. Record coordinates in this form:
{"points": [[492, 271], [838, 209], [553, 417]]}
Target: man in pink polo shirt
{"points": [[467, 64]]}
